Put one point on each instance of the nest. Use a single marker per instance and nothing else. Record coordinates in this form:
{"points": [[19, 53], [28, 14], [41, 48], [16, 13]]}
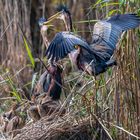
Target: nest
{"points": [[63, 128], [57, 122], [50, 130]]}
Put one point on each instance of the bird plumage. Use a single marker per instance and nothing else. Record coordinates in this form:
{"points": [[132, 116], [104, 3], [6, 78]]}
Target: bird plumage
{"points": [[65, 16], [106, 33], [50, 82], [65, 42], [62, 7]]}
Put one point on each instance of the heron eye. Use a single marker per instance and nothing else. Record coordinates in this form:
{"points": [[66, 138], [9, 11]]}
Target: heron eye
{"points": [[76, 47]]}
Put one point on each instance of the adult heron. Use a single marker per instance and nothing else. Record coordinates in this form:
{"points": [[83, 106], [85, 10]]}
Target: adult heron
{"points": [[93, 58]]}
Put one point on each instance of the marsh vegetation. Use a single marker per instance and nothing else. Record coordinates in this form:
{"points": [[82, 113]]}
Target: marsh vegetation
{"points": [[102, 107]]}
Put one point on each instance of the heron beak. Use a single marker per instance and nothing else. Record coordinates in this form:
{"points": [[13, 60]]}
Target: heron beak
{"points": [[50, 25], [52, 18]]}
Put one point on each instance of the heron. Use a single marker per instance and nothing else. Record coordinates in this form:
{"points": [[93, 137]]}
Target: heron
{"points": [[49, 86], [44, 29], [64, 14], [47, 93], [50, 81], [96, 57]]}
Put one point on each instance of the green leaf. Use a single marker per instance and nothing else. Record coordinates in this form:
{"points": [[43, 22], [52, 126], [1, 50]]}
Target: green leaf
{"points": [[109, 4], [14, 90], [29, 52], [16, 94], [98, 2]]}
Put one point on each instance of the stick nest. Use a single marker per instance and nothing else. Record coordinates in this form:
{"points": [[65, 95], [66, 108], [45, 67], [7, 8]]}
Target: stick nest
{"points": [[57, 128]]}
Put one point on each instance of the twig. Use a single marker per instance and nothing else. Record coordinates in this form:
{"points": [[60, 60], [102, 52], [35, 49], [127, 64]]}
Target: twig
{"points": [[7, 98], [6, 29], [121, 128]]}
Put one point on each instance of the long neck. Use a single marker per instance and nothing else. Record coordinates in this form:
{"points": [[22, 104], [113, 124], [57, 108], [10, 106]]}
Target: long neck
{"points": [[68, 23], [44, 35]]}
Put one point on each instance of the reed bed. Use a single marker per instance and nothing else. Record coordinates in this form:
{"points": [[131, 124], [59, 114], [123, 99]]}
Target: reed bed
{"points": [[104, 107]]}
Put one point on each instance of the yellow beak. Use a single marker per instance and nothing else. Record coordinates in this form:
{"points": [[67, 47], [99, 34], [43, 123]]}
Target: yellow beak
{"points": [[52, 18], [50, 25]]}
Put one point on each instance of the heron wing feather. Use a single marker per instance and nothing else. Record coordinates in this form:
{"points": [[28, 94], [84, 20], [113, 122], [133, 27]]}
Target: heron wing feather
{"points": [[106, 33], [65, 42]]}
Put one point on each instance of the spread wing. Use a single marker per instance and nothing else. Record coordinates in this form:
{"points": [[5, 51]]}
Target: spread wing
{"points": [[106, 33], [65, 42]]}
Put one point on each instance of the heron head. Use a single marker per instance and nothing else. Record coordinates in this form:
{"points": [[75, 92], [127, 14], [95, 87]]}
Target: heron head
{"points": [[44, 24], [62, 13], [41, 21], [65, 13]]}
